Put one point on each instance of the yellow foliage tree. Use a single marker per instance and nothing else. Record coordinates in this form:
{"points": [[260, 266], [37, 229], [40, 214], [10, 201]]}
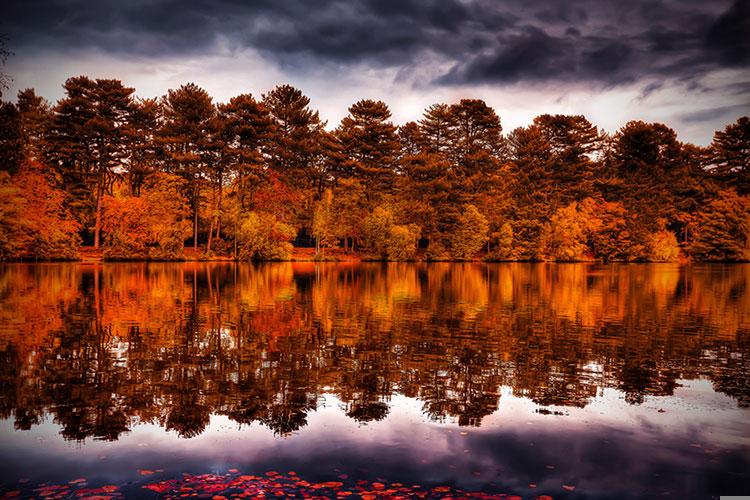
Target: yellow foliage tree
{"points": [[470, 233]]}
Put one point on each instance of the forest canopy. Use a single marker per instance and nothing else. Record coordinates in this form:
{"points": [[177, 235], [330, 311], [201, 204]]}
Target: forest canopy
{"points": [[183, 176]]}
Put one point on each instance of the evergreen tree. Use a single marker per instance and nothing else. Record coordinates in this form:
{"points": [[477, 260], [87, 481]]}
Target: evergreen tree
{"points": [[144, 152], [425, 193], [188, 114], [532, 188], [436, 128], [297, 129], [370, 146], [573, 142], [11, 137], [300, 150], [35, 115], [731, 155], [88, 141], [648, 159]]}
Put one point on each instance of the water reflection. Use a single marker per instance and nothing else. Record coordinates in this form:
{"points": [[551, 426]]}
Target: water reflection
{"points": [[102, 349]]}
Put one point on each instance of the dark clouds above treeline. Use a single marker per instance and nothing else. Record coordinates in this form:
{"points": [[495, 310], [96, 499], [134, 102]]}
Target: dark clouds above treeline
{"points": [[682, 62], [606, 42]]}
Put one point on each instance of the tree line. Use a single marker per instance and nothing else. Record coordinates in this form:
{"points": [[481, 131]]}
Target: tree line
{"points": [[254, 177]]}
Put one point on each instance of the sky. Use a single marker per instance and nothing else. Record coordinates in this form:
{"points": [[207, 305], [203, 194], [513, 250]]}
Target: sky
{"points": [[685, 63]]}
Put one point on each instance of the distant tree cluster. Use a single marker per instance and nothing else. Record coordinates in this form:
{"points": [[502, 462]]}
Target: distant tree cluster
{"points": [[253, 177]]}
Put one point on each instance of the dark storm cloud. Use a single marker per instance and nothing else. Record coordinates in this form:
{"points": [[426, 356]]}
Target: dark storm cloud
{"points": [[721, 112], [482, 41]]}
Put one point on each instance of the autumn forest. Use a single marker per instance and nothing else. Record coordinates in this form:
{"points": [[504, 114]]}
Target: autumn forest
{"points": [[103, 172]]}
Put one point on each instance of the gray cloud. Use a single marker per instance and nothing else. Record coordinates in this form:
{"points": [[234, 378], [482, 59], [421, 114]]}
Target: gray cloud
{"points": [[593, 41], [708, 114], [684, 62]]}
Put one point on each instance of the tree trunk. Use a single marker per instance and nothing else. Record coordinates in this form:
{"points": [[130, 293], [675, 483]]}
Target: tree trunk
{"points": [[212, 224], [210, 236], [98, 223], [195, 219], [218, 210], [235, 238]]}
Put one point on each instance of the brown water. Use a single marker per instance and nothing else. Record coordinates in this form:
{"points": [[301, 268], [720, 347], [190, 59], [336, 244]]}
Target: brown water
{"points": [[567, 380]]}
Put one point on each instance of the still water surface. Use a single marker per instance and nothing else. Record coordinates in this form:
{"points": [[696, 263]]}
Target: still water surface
{"points": [[595, 381]]}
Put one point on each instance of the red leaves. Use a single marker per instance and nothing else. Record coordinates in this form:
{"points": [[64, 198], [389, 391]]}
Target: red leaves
{"points": [[66, 491], [271, 484], [161, 487], [329, 485], [274, 484]]}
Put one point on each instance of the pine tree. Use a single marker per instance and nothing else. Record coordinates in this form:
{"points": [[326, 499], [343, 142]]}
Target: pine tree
{"points": [[88, 141], [573, 143], [475, 142], [436, 128], [35, 115], [648, 159], [370, 146], [300, 151], [188, 114], [298, 129], [731, 155], [144, 153], [532, 189], [426, 192], [11, 137]]}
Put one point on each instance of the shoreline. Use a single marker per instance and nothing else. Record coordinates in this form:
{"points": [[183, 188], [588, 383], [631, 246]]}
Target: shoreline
{"points": [[89, 255]]}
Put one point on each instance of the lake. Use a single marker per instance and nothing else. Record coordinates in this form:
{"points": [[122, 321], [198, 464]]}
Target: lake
{"points": [[567, 380]]}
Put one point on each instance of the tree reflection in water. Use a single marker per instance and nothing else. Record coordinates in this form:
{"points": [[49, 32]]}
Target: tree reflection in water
{"points": [[102, 349]]}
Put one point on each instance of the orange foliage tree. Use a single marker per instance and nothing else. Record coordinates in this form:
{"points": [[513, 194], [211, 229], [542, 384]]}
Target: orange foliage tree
{"points": [[34, 223]]}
